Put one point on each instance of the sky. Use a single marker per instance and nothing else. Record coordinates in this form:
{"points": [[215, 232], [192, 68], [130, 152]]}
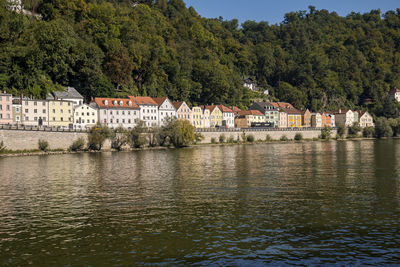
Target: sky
{"points": [[273, 11]]}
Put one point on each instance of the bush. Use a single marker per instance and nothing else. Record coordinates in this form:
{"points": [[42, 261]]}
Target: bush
{"points": [[368, 132], [250, 138], [382, 128], [326, 133], [97, 136], [119, 138], [284, 138], [198, 137], [213, 140], [2, 147], [341, 131], [395, 124], [222, 138], [231, 139], [354, 130], [137, 136], [298, 137], [78, 144], [244, 138], [43, 145], [268, 138], [181, 133]]}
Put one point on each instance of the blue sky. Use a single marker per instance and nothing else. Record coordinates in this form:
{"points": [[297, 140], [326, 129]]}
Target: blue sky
{"points": [[274, 11]]}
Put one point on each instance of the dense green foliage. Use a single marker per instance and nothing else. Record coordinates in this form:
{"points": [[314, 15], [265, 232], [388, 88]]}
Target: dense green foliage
{"points": [[78, 144], [326, 133], [313, 59], [97, 135], [43, 145], [298, 137], [180, 133], [383, 128]]}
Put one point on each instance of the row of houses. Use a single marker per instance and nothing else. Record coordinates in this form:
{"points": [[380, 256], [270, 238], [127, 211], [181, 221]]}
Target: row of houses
{"points": [[67, 109]]}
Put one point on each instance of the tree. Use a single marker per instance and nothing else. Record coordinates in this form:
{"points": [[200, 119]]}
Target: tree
{"points": [[390, 109], [326, 133], [341, 130], [137, 136], [382, 128], [180, 132], [119, 66], [97, 135], [119, 138]]}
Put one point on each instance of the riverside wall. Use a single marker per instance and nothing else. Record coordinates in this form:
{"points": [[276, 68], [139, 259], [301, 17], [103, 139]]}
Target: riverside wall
{"points": [[28, 139], [261, 134]]}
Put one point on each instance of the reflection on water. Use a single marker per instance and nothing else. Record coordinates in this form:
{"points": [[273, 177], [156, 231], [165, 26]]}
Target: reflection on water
{"points": [[309, 203]]}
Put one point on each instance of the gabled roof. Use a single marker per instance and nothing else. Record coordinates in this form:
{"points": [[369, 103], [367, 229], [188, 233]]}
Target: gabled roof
{"points": [[225, 109], [69, 92], [264, 104], [362, 113], [160, 100], [250, 112], [282, 105], [394, 90], [143, 100], [101, 103], [210, 107], [178, 104], [343, 111], [291, 111]]}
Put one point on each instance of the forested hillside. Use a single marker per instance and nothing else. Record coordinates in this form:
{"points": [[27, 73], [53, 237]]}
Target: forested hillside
{"points": [[313, 59]]}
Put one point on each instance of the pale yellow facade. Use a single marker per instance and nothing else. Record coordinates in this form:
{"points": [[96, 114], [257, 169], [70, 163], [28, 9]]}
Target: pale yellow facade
{"points": [[197, 117], [257, 118], [216, 117], [61, 113]]}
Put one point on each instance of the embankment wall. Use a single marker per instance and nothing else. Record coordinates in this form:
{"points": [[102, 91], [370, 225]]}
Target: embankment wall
{"points": [[28, 139]]}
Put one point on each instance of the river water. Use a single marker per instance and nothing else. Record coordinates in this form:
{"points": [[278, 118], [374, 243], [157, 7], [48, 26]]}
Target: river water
{"points": [[296, 203]]}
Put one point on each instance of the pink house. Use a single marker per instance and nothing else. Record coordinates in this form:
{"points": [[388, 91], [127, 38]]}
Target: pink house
{"points": [[5, 108], [183, 112]]}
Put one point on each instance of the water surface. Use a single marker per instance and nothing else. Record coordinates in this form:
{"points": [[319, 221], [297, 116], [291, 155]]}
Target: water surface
{"points": [[296, 203]]}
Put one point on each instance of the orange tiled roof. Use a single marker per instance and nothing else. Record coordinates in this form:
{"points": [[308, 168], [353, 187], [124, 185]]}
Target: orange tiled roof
{"points": [[224, 109], [143, 100], [159, 100], [100, 101], [249, 112], [210, 107], [177, 104]]}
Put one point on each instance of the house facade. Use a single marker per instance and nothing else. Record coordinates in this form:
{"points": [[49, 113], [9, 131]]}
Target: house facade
{"points": [[117, 112], [35, 112], [215, 116], [60, 113], [17, 111], [366, 120], [294, 118], [283, 119], [270, 111], [165, 110], [197, 117], [251, 117], [316, 120], [148, 109], [183, 112], [344, 117], [395, 94], [85, 116], [306, 118], [6, 114], [228, 117], [69, 94]]}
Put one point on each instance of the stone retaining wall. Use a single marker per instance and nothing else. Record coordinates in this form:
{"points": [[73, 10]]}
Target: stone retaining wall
{"points": [[28, 139]]}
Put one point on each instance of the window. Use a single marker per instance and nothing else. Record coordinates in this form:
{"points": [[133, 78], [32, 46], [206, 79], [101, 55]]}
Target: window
{"points": [[62, 111], [129, 120], [35, 111], [123, 120], [123, 112], [1, 107], [110, 112], [105, 112], [27, 118], [35, 118], [35, 103], [44, 111], [117, 112], [17, 109], [17, 118], [54, 111], [8, 107], [1, 116], [44, 103], [26, 102], [62, 119], [88, 113], [54, 119], [92, 121], [77, 113]]}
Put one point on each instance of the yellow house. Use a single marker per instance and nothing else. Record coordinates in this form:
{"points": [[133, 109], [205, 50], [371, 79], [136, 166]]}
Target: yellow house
{"points": [[294, 118], [215, 115], [61, 113], [197, 117]]}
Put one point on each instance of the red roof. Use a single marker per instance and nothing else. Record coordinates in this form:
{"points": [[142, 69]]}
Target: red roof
{"points": [[225, 109], [143, 100], [250, 112], [159, 100], [211, 108], [101, 103], [177, 104]]}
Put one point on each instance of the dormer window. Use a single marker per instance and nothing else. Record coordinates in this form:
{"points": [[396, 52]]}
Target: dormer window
{"points": [[115, 102], [106, 102], [130, 103], [121, 103]]}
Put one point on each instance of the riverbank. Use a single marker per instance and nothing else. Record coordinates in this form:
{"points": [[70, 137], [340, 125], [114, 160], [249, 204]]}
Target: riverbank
{"points": [[36, 152]]}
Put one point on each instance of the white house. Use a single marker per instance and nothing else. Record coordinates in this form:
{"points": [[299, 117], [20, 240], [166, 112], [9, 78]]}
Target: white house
{"points": [[316, 120], [395, 94], [366, 120], [148, 109], [249, 83], [85, 116], [165, 109], [35, 112], [344, 117], [69, 94], [117, 112], [228, 117]]}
